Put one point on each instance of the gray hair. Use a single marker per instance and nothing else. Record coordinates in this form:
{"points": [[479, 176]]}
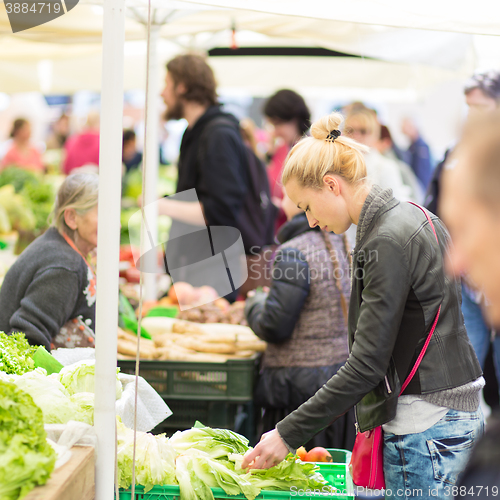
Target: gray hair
{"points": [[79, 192]]}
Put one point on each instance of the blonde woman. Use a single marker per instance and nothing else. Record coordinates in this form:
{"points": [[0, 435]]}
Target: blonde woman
{"points": [[303, 318], [52, 282], [398, 287]]}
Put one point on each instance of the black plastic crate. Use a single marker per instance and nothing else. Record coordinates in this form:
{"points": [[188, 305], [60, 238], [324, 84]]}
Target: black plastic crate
{"points": [[238, 417]]}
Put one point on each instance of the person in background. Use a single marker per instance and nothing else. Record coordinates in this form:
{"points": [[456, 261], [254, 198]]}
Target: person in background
{"points": [[52, 283], [418, 154], [22, 153], [399, 292], [362, 126], [131, 158], [59, 133], [290, 117], [212, 167], [388, 149], [470, 205], [303, 319], [482, 94], [83, 149]]}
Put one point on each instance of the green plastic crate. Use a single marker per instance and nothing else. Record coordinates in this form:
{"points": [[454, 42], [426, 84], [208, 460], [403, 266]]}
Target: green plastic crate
{"points": [[336, 473], [232, 380]]}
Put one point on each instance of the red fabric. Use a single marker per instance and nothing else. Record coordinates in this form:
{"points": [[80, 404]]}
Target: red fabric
{"points": [[274, 174], [27, 160], [81, 149]]}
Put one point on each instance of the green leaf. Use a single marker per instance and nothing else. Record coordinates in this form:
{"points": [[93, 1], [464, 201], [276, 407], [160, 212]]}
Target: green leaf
{"points": [[26, 458], [216, 442], [44, 359], [16, 355], [290, 472]]}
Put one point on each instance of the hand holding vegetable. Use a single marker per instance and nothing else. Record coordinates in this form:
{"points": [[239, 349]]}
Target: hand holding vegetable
{"points": [[270, 451]]}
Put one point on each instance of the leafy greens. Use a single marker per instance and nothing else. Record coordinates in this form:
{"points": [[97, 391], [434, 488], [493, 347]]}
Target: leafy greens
{"points": [[16, 355], [26, 458]]}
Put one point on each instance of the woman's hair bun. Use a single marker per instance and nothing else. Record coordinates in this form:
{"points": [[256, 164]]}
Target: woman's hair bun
{"points": [[322, 127]]}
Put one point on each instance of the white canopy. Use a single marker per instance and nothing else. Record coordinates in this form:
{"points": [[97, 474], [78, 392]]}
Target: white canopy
{"points": [[65, 53], [479, 17], [30, 66]]}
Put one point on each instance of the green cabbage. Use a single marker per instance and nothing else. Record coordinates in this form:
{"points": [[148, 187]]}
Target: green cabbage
{"points": [[154, 459], [191, 486], [208, 458], [16, 355], [84, 403], [290, 472], [80, 377], [26, 458], [49, 395], [216, 443], [213, 474]]}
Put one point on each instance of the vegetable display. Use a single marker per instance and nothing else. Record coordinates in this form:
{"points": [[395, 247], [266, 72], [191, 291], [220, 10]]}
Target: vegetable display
{"points": [[202, 458], [16, 355], [64, 396], [187, 341], [26, 458], [80, 377], [36, 193], [154, 461], [49, 395]]}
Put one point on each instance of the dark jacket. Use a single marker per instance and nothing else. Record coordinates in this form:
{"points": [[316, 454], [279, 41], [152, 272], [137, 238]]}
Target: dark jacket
{"points": [[301, 317], [418, 156], [219, 177], [46, 286], [398, 284], [431, 201]]}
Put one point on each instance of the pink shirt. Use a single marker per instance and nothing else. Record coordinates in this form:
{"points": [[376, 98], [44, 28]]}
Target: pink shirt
{"points": [[274, 175], [29, 159], [81, 149]]}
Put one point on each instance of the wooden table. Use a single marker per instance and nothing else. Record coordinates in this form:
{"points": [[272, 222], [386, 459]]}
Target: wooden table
{"points": [[75, 480]]}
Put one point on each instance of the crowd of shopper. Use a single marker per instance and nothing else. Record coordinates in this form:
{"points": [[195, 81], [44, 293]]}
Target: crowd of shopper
{"points": [[344, 323]]}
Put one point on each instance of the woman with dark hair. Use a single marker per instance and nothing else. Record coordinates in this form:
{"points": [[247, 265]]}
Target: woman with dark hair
{"points": [[288, 113], [22, 153]]}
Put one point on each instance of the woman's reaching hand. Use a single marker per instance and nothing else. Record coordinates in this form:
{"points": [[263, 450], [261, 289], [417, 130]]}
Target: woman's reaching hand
{"points": [[270, 451]]}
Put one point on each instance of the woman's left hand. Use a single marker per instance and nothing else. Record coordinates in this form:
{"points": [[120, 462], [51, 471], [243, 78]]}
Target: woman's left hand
{"points": [[270, 451]]}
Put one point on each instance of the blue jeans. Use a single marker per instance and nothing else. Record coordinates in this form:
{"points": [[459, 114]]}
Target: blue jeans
{"points": [[427, 465], [479, 333]]}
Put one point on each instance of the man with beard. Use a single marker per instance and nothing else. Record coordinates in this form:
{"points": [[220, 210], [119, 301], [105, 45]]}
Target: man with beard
{"points": [[213, 169]]}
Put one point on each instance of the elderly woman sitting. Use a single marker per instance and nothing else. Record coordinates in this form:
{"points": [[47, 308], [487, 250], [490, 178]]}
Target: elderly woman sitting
{"points": [[52, 282]]}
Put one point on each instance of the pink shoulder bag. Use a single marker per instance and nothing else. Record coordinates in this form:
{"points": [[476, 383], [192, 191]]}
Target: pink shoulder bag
{"points": [[367, 461]]}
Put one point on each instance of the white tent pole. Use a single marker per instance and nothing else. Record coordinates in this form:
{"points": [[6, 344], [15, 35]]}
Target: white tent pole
{"points": [[108, 241], [152, 157]]}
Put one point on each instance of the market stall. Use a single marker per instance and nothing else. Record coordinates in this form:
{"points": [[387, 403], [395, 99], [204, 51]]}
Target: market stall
{"points": [[193, 342]]}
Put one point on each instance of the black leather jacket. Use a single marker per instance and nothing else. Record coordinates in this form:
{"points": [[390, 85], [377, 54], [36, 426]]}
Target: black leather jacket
{"points": [[398, 284]]}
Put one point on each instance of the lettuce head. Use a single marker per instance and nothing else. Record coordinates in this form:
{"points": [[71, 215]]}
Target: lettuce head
{"points": [[26, 458]]}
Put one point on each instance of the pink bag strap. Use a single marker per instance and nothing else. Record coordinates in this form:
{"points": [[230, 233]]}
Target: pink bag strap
{"points": [[422, 352]]}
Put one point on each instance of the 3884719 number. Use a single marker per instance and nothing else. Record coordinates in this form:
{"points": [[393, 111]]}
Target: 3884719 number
{"points": [[34, 8], [462, 491]]}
